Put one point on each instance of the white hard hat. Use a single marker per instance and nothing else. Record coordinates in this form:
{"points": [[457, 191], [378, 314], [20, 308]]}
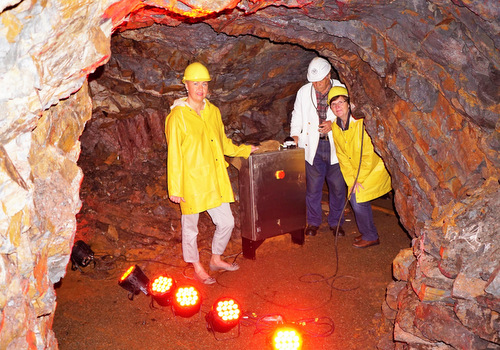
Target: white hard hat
{"points": [[318, 69]]}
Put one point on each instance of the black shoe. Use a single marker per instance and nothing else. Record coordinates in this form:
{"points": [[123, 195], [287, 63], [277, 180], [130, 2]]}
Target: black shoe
{"points": [[311, 230], [341, 232]]}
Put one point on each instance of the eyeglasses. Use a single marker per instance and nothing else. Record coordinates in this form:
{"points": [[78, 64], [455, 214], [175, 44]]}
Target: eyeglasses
{"points": [[338, 103]]}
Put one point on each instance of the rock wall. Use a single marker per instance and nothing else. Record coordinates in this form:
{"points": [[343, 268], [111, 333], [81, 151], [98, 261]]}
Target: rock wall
{"points": [[133, 92], [45, 103], [424, 74], [40, 186]]}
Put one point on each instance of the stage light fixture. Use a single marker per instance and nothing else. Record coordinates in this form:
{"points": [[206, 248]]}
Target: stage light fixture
{"points": [[135, 281], [224, 315], [187, 301], [286, 338], [81, 255], [162, 289]]}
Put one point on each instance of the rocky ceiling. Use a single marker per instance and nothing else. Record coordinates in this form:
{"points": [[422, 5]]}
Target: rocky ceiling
{"points": [[395, 58], [424, 74], [254, 81]]}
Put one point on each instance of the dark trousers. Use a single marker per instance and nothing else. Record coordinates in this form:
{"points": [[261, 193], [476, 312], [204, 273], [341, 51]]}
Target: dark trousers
{"points": [[316, 175], [364, 219]]}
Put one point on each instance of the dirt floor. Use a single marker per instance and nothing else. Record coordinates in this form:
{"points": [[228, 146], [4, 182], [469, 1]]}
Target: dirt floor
{"points": [[328, 289]]}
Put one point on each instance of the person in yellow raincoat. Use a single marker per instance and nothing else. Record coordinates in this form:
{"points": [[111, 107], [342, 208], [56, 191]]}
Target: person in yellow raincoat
{"points": [[197, 171], [363, 170]]}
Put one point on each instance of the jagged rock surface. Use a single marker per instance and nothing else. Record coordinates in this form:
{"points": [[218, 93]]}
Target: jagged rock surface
{"points": [[424, 74]]}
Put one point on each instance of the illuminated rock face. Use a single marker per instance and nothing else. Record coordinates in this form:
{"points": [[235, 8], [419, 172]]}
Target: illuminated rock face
{"points": [[425, 76]]}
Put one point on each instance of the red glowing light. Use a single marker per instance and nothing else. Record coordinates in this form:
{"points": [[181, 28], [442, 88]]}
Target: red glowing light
{"points": [[161, 289], [134, 280], [228, 310], [162, 284], [187, 301], [279, 174], [187, 296], [224, 315], [286, 338], [128, 272]]}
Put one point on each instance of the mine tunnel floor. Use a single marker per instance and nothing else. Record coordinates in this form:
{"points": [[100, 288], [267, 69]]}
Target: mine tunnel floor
{"points": [[340, 307]]}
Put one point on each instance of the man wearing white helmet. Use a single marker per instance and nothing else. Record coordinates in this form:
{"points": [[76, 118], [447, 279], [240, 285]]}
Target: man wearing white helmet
{"points": [[310, 128]]}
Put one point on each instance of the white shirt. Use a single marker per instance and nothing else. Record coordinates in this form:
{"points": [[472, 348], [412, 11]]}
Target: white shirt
{"points": [[305, 122]]}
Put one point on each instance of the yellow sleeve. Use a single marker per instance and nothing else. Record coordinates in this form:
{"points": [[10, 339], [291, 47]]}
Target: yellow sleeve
{"points": [[348, 172], [367, 156], [174, 156]]}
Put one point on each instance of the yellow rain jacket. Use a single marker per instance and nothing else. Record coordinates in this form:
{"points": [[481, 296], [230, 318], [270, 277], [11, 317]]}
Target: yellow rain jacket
{"points": [[373, 175], [196, 168]]}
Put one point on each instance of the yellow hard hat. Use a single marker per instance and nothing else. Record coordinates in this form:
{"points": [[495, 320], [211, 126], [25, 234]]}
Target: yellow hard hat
{"points": [[337, 91], [196, 72]]}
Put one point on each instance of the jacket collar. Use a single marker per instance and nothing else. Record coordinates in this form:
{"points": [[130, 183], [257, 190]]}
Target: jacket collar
{"points": [[339, 122], [183, 103]]}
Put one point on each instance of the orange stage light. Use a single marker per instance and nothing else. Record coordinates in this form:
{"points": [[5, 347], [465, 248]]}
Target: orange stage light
{"points": [[186, 302], [162, 289], [224, 315], [286, 338], [135, 281]]}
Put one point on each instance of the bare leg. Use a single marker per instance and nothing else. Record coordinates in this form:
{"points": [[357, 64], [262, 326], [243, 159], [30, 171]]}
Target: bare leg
{"points": [[199, 270], [217, 261]]}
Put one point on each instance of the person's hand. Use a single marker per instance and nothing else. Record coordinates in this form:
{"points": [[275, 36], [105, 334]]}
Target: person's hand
{"points": [[253, 148], [176, 199], [358, 187], [325, 127]]}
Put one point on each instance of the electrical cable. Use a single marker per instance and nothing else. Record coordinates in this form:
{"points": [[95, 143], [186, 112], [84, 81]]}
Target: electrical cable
{"points": [[334, 278], [327, 321], [318, 322], [268, 323], [353, 186], [155, 262]]}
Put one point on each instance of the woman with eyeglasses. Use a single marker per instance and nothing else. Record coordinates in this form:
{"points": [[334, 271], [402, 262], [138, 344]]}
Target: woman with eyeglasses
{"points": [[363, 170]]}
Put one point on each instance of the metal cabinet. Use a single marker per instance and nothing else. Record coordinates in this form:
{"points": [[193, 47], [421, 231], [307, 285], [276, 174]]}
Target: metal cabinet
{"points": [[272, 197]]}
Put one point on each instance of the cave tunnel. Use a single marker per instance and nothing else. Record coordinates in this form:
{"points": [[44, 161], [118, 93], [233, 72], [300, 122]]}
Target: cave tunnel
{"points": [[86, 87]]}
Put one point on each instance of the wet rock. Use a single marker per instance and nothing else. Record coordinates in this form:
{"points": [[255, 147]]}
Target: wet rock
{"points": [[445, 327], [480, 320], [423, 74], [401, 264]]}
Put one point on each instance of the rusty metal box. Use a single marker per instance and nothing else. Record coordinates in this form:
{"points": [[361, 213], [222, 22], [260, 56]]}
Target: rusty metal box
{"points": [[272, 188]]}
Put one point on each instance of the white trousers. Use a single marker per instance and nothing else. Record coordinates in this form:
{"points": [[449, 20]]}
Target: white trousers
{"points": [[223, 219]]}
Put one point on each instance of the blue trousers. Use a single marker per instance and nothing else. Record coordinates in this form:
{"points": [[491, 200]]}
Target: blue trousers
{"points": [[316, 175], [364, 219]]}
